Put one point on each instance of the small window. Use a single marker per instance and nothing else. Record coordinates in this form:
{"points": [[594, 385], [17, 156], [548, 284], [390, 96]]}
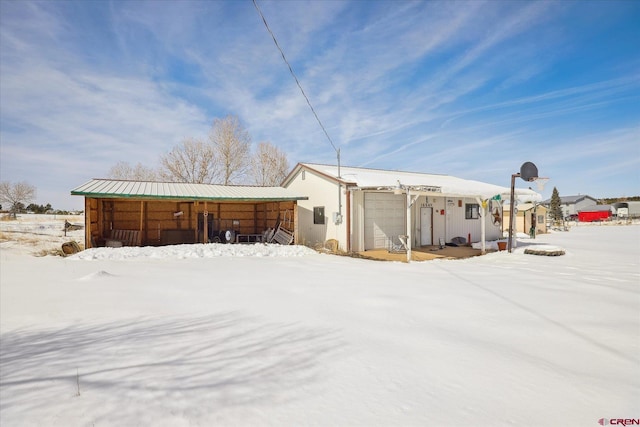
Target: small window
{"points": [[304, 175], [318, 215], [471, 211]]}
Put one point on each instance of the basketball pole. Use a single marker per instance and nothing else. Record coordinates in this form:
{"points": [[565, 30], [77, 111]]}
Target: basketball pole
{"points": [[511, 208], [528, 172]]}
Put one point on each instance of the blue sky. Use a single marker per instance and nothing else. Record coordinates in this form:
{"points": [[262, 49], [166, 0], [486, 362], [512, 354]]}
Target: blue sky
{"points": [[470, 89]]}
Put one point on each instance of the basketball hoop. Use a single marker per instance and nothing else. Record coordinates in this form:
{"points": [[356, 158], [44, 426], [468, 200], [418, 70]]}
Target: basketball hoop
{"points": [[529, 173], [540, 182]]}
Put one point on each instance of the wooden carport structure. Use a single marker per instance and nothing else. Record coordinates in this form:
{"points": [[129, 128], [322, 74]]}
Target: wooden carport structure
{"points": [[161, 213]]}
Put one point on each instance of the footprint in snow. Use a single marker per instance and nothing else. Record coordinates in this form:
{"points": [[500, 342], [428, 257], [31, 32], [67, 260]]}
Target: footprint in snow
{"points": [[97, 275]]}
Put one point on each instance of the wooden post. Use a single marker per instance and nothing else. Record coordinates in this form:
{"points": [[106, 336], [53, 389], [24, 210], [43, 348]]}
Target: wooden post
{"points": [[511, 206], [141, 222], [87, 223], [195, 208], [190, 217], [295, 222], [255, 218], [205, 238], [146, 223], [264, 216]]}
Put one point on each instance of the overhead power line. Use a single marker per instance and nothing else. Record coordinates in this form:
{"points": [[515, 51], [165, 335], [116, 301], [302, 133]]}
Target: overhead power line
{"points": [[297, 81]]}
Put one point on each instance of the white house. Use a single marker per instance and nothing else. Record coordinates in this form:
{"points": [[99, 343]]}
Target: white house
{"points": [[367, 209], [571, 205]]}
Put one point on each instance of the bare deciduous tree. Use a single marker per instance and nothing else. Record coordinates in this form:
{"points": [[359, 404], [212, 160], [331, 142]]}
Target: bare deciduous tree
{"points": [[224, 159], [17, 195], [193, 161], [123, 170], [231, 144], [269, 165]]}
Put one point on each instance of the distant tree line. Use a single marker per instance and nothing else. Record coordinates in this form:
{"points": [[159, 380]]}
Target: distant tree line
{"points": [[225, 157], [610, 201], [15, 196]]}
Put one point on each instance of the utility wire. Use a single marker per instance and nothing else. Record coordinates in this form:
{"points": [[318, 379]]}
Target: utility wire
{"points": [[296, 79]]}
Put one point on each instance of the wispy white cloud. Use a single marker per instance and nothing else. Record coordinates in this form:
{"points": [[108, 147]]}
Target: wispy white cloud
{"points": [[467, 88]]}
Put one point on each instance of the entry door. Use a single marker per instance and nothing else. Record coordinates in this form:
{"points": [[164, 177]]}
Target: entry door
{"points": [[426, 227]]}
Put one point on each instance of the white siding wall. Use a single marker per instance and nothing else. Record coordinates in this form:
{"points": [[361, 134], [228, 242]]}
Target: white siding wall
{"points": [[458, 226], [357, 221], [321, 192]]}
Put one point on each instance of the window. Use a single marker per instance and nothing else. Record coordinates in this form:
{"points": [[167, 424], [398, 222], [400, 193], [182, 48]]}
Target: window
{"points": [[471, 211], [318, 215]]}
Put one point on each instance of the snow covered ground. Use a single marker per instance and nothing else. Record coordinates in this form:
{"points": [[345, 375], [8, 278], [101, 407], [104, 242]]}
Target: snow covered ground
{"points": [[203, 335]]}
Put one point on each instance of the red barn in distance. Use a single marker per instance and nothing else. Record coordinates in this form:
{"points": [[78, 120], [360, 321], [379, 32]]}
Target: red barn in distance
{"points": [[595, 213]]}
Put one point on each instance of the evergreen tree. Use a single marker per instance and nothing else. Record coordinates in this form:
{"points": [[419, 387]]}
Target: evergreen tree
{"points": [[555, 211]]}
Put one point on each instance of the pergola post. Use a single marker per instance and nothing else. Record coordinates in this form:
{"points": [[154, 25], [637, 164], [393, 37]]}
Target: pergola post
{"points": [[408, 228], [483, 224]]}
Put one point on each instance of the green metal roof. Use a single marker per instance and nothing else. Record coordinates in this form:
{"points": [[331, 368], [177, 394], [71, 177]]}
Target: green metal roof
{"points": [[111, 188]]}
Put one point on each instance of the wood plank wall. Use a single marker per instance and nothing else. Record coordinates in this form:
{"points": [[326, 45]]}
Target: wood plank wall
{"points": [[91, 219], [152, 217]]}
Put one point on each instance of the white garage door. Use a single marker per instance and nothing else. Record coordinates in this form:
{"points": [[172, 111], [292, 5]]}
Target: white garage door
{"points": [[384, 218]]}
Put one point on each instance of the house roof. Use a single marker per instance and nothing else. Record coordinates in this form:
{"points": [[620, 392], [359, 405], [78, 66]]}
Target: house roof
{"points": [[596, 208], [523, 207], [111, 188], [569, 200], [365, 178]]}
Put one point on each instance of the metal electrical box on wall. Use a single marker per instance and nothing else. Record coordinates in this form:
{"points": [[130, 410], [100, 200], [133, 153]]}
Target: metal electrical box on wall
{"points": [[337, 218]]}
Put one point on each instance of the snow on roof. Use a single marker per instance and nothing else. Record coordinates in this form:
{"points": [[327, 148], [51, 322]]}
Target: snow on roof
{"points": [[174, 190], [568, 200], [596, 208], [364, 178], [522, 207]]}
